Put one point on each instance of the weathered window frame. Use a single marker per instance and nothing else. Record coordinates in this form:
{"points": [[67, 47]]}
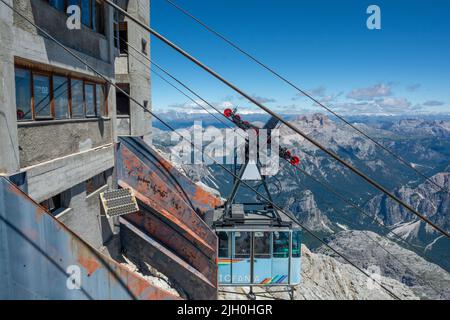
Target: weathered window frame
{"points": [[85, 80]]}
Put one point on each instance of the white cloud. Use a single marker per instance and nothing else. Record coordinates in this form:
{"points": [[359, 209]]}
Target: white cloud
{"points": [[413, 87], [382, 106], [260, 99], [433, 103], [375, 91]]}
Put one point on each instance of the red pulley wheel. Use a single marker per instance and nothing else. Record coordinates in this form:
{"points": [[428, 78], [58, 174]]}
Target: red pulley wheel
{"points": [[295, 160], [227, 113]]}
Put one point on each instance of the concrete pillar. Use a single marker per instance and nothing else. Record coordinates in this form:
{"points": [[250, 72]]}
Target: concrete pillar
{"points": [[139, 74], [9, 144]]}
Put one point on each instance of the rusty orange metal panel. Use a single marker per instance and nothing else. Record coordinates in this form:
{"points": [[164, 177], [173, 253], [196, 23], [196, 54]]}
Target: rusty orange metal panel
{"points": [[142, 247], [197, 197], [169, 237], [171, 206], [135, 173], [38, 255], [170, 219]]}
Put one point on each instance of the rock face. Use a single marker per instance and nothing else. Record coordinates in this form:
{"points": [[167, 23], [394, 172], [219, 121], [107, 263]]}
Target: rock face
{"points": [[371, 251], [304, 207], [427, 198], [325, 278], [418, 127], [425, 144]]}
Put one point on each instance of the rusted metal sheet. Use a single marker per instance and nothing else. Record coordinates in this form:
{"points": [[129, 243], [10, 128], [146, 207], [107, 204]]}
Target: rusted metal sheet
{"points": [[167, 218], [173, 239], [142, 247], [197, 197], [132, 170], [167, 214], [40, 258]]}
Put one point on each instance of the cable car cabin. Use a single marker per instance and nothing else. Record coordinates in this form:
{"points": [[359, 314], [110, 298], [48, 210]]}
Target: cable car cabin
{"points": [[258, 246], [257, 250]]}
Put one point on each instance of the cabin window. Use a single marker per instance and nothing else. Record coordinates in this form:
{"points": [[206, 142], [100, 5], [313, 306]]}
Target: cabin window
{"points": [[23, 94], [296, 244], [224, 245], [261, 244], [242, 241], [61, 97], [41, 89], [281, 244]]}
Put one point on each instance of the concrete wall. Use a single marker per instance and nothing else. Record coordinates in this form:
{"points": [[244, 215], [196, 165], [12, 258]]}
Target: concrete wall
{"points": [[36, 252], [43, 141], [85, 218], [50, 19], [9, 146], [57, 156], [138, 70], [69, 175]]}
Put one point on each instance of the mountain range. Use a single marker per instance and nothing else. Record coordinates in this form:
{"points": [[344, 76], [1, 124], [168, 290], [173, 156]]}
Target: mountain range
{"points": [[424, 143]]}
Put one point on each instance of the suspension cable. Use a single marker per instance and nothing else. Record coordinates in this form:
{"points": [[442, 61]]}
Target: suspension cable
{"points": [[293, 219], [286, 123], [423, 281], [169, 83], [324, 185], [306, 94]]}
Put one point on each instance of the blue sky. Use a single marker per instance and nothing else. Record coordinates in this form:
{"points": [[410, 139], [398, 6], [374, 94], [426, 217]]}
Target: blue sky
{"points": [[322, 46]]}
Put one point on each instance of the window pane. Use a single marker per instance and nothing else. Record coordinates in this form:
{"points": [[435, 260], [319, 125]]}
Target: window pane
{"points": [[90, 102], [262, 244], [122, 101], [61, 97], [242, 244], [86, 12], [99, 22], [23, 94], [281, 244], [73, 2], [224, 246], [58, 4], [77, 99], [41, 96], [296, 244], [100, 96]]}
